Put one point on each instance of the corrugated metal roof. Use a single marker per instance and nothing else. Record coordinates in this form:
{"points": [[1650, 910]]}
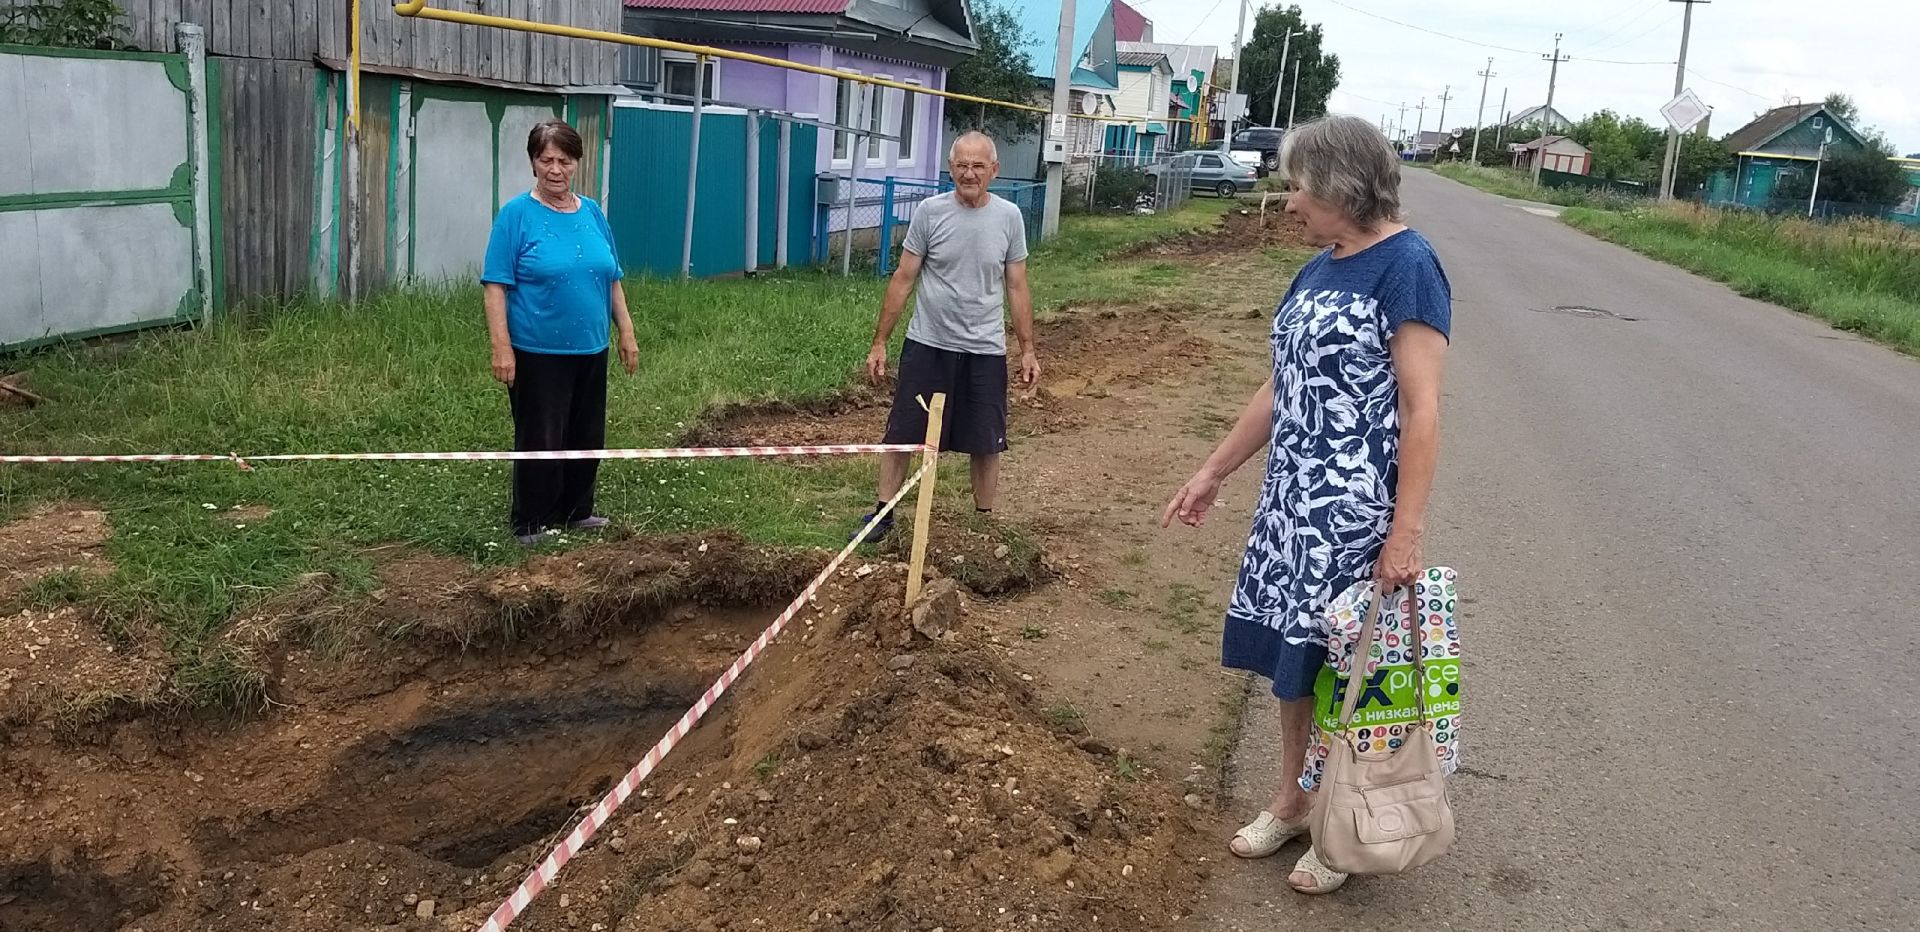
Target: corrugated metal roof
{"points": [[744, 6], [1143, 59]]}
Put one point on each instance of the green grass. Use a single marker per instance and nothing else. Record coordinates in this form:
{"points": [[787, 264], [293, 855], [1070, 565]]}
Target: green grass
{"points": [[1114, 598], [408, 371], [1862, 277], [1508, 182], [1065, 716], [1032, 632]]}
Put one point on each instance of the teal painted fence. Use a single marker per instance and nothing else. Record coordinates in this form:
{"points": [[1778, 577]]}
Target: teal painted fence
{"points": [[647, 190]]}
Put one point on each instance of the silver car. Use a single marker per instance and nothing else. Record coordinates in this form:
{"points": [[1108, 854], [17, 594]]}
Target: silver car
{"points": [[1215, 171]]}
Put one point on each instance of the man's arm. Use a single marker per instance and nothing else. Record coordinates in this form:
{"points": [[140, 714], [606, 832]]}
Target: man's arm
{"points": [[1020, 297], [899, 289]]}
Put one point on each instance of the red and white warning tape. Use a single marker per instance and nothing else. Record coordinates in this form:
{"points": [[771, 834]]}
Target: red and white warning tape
{"points": [[684, 453], [544, 873]]}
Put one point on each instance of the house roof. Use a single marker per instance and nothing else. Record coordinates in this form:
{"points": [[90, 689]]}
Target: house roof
{"points": [[1537, 113], [932, 32], [1040, 20], [1129, 24], [1769, 125], [1546, 141], [1144, 59], [744, 6], [1184, 59], [1085, 79]]}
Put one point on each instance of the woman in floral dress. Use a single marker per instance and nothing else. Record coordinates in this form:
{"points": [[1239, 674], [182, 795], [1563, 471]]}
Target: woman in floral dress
{"points": [[1350, 421]]}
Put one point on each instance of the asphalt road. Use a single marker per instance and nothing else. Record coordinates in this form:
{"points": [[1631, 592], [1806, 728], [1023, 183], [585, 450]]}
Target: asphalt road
{"points": [[1686, 535]]}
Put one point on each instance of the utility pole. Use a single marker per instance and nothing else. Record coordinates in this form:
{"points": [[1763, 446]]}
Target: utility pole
{"points": [[1062, 88], [1669, 168], [1233, 83], [1500, 132], [1295, 99], [1553, 78], [1400, 128], [1445, 96], [1419, 126], [1280, 77], [1480, 115]]}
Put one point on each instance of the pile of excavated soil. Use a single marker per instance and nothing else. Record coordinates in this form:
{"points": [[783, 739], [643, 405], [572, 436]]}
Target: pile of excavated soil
{"points": [[1239, 230], [876, 770], [1087, 352]]}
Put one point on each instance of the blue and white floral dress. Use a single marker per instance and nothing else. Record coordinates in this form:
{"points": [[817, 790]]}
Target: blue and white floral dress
{"points": [[1327, 503]]}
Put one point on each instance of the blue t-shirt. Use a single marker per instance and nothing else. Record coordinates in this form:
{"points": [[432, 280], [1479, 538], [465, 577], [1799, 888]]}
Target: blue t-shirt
{"points": [[559, 271]]}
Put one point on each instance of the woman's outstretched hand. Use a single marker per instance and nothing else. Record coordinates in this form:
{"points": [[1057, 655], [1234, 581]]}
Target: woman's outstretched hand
{"points": [[1191, 503]]}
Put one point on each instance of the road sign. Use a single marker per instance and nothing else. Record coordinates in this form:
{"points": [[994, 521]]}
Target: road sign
{"points": [[1685, 111]]}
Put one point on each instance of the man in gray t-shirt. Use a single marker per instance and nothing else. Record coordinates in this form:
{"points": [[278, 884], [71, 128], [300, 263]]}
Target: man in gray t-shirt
{"points": [[966, 250]]}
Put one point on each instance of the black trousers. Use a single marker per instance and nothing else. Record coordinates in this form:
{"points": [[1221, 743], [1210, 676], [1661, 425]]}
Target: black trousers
{"points": [[559, 403]]}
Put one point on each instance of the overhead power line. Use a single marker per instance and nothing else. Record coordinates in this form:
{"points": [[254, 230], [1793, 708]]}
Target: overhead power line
{"points": [[1433, 32]]}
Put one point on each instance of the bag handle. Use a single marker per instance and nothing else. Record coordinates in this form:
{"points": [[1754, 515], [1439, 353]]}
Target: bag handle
{"points": [[1357, 673]]}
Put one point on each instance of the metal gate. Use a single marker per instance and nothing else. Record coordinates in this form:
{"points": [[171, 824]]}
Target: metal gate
{"points": [[103, 191]]}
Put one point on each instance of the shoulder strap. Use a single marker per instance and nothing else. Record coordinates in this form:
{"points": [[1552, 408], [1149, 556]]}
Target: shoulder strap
{"points": [[1369, 628]]}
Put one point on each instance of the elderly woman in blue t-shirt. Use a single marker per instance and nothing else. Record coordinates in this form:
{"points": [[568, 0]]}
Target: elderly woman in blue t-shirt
{"points": [[1351, 424], [552, 281]]}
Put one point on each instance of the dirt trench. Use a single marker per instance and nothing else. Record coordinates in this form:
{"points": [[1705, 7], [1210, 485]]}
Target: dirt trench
{"points": [[889, 769]]}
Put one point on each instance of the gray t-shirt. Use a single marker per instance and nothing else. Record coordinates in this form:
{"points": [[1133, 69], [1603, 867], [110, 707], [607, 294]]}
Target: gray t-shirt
{"points": [[961, 299]]}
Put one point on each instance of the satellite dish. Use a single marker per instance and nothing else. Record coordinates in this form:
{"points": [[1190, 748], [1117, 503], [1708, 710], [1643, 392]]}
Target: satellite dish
{"points": [[1088, 104]]}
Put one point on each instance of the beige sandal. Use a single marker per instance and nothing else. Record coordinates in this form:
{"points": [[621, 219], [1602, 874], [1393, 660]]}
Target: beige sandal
{"points": [[1325, 879], [1265, 835]]}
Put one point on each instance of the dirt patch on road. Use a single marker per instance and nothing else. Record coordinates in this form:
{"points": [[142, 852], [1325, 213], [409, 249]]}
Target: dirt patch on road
{"points": [[877, 770], [1086, 352]]}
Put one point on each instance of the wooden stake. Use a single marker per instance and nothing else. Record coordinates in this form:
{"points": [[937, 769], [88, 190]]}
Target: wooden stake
{"points": [[923, 514]]}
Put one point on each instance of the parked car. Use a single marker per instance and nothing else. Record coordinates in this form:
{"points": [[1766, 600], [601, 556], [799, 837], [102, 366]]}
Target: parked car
{"points": [[1260, 146], [1222, 174]]}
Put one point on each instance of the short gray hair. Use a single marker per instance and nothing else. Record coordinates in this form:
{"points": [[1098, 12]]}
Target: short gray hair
{"points": [[1348, 163], [993, 151]]}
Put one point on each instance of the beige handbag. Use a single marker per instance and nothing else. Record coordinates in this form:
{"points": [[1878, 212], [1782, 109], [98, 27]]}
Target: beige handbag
{"points": [[1384, 811]]}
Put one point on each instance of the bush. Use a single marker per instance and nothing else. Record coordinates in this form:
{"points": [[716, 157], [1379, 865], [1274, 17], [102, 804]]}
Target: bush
{"points": [[1118, 188]]}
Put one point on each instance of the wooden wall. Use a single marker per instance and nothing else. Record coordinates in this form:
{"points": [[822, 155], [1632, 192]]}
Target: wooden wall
{"points": [[267, 129], [305, 30]]}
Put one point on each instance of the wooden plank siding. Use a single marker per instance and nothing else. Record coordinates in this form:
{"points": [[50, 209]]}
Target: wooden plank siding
{"points": [[305, 30], [267, 128]]}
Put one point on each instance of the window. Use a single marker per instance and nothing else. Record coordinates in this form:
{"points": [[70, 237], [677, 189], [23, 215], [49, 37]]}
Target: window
{"points": [[678, 78], [1819, 123], [877, 98], [844, 94], [909, 111], [1209, 161]]}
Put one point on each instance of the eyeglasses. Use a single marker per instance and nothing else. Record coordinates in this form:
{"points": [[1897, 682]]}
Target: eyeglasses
{"points": [[974, 167]]}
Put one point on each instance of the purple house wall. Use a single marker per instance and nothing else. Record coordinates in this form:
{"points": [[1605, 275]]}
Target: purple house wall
{"points": [[798, 92]]}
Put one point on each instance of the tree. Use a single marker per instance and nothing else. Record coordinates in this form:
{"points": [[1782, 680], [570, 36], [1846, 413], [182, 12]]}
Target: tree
{"points": [[79, 24], [1001, 70], [1866, 176], [1842, 106], [1701, 157], [1624, 149], [1260, 67]]}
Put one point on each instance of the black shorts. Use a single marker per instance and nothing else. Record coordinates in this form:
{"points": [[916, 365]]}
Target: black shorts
{"points": [[976, 390]]}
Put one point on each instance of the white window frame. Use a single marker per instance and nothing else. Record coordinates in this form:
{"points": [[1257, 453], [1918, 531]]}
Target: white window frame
{"points": [[877, 120], [669, 58], [852, 89], [906, 121]]}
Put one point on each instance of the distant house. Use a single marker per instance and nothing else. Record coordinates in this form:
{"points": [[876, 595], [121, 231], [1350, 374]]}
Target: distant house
{"points": [[1548, 118], [1778, 145], [1191, 88], [909, 41], [1430, 141], [1555, 154], [1141, 104]]}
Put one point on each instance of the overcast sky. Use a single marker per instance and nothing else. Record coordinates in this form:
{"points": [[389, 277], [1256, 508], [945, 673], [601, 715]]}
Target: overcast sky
{"points": [[1746, 55]]}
